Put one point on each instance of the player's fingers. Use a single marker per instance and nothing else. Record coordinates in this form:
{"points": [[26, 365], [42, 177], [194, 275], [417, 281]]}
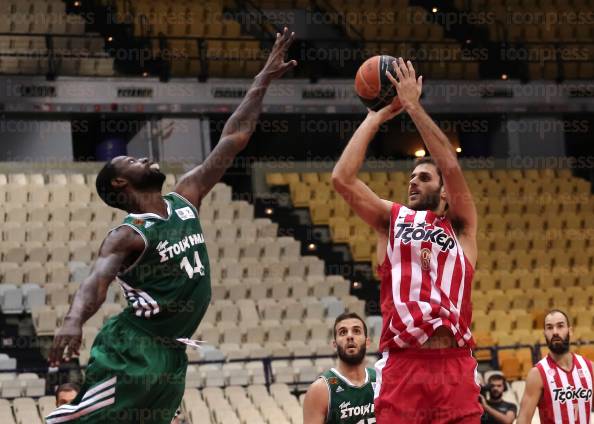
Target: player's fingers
{"points": [[398, 74], [402, 67], [392, 79], [55, 354], [411, 70], [397, 70], [420, 83], [74, 346], [285, 35], [289, 41], [288, 65]]}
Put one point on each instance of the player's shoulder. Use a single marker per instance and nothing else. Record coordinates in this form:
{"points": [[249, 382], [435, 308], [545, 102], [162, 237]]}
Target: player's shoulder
{"points": [[534, 376], [179, 200], [319, 387], [122, 237]]}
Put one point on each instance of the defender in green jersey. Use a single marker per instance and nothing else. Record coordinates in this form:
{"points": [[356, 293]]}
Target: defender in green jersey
{"points": [[344, 395], [136, 373]]}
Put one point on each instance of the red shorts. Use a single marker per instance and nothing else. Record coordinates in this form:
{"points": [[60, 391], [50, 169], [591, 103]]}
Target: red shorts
{"points": [[427, 386]]}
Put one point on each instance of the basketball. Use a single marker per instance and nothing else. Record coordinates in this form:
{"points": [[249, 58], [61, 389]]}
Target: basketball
{"points": [[371, 83]]}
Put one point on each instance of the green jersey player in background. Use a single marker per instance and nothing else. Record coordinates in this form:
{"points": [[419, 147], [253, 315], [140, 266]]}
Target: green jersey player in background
{"points": [[344, 395], [136, 373]]}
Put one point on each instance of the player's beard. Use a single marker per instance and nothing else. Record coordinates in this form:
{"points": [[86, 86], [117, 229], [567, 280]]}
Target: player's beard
{"points": [[150, 181], [559, 348], [354, 359], [428, 202]]}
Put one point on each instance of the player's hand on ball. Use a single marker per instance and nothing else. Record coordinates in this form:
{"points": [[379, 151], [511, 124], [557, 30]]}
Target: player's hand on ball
{"points": [[408, 86], [276, 66], [66, 343], [386, 113]]}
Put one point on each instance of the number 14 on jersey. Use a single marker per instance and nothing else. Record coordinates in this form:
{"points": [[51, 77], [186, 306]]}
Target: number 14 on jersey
{"points": [[198, 268]]}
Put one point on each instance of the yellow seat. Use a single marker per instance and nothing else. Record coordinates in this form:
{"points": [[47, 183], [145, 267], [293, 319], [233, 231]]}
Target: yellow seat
{"points": [[525, 321], [340, 208], [501, 302], [587, 351], [505, 338], [322, 193], [488, 283], [482, 324], [512, 368], [380, 177], [301, 195], [524, 356], [503, 321], [538, 316], [310, 178], [362, 250], [325, 177], [291, 177], [503, 354], [319, 212], [528, 336], [480, 303], [483, 339], [275, 179]]}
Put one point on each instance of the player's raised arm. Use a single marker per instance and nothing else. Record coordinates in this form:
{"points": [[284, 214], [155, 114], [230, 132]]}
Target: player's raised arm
{"points": [[315, 403], [240, 126], [532, 394], [366, 204], [461, 208], [118, 247]]}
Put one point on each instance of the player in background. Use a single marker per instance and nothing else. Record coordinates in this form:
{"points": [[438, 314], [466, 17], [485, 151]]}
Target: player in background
{"points": [[138, 362], [344, 394], [561, 383], [65, 393], [427, 251]]}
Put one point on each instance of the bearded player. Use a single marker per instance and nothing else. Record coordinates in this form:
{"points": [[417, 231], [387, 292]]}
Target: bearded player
{"points": [[561, 383], [138, 363], [427, 250], [344, 394]]}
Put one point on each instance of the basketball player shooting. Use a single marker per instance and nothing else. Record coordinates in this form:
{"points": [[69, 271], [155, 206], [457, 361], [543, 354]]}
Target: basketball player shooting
{"points": [[427, 250], [136, 373], [561, 383]]}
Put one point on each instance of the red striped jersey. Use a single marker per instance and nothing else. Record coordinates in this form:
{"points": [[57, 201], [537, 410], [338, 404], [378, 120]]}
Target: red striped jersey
{"points": [[567, 395], [425, 281]]}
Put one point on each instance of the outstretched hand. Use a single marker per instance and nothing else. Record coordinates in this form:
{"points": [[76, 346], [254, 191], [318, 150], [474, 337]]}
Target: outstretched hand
{"points": [[408, 87], [276, 66]]}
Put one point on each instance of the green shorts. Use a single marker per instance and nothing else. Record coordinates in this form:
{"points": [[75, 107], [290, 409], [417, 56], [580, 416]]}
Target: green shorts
{"points": [[131, 378]]}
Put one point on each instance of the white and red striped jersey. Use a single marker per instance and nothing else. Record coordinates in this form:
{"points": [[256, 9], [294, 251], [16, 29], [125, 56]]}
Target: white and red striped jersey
{"points": [[426, 281], [567, 395]]}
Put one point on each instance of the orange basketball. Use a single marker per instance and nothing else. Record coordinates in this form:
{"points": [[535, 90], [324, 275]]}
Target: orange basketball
{"points": [[371, 83]]}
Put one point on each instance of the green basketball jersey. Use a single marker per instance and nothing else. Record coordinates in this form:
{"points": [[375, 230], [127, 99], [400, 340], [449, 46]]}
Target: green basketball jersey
{"points": [[349, 404], [168, 287]]}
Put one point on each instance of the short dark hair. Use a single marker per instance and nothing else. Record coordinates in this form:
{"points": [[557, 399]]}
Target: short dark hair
{"points": [[430, 161], [552, 311], [67, 387], [496, 377], [105, 189], [348, 315]]}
